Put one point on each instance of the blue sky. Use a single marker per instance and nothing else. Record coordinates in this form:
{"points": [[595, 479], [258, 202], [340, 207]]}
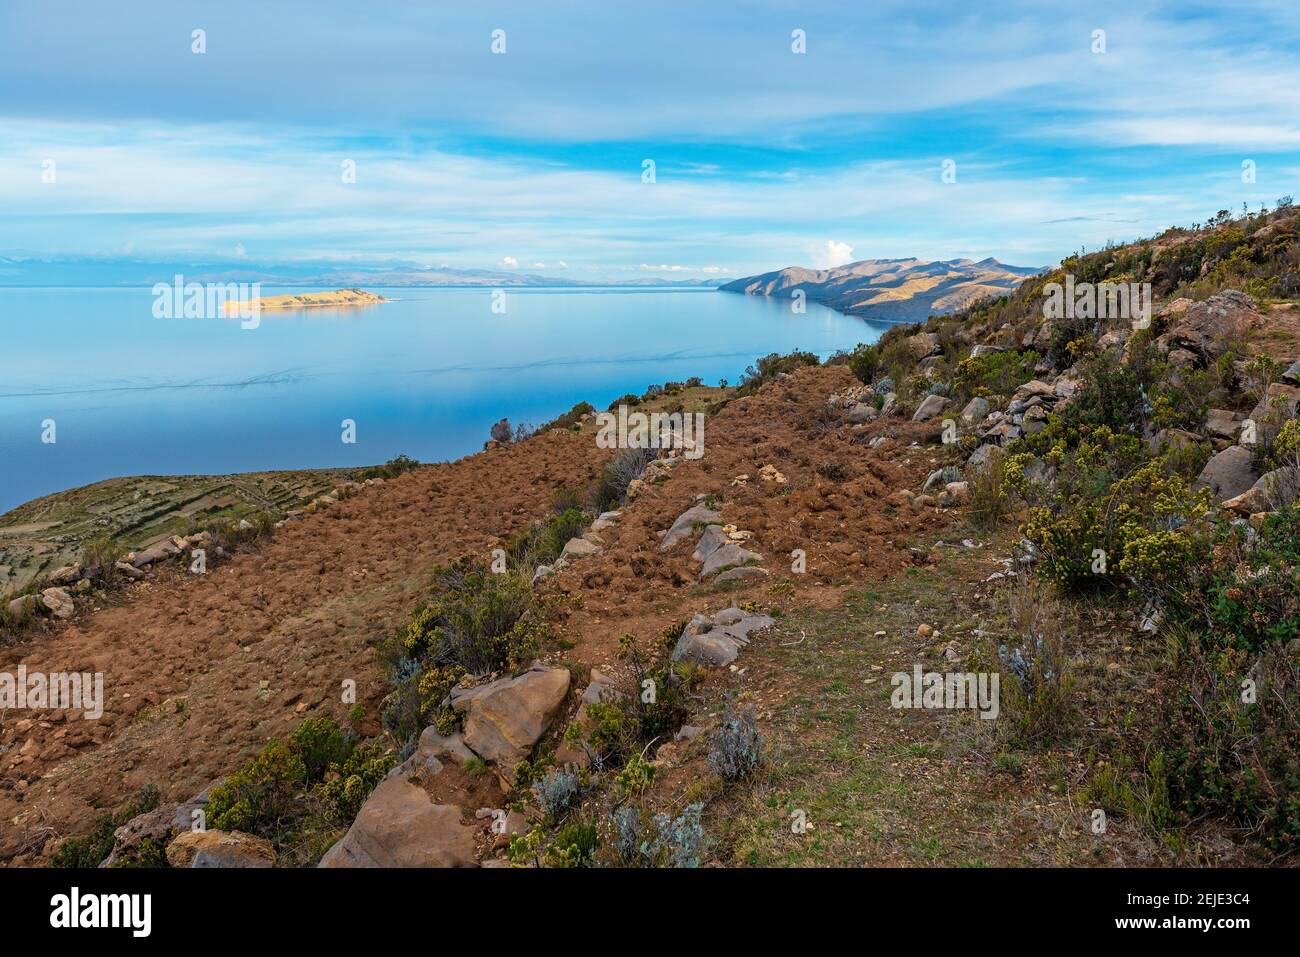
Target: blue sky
{"points": [[532, 159]]}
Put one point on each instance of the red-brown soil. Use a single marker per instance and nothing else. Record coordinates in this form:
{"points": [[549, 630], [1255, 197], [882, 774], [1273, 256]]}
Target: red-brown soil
{"points": [[200, 671]]}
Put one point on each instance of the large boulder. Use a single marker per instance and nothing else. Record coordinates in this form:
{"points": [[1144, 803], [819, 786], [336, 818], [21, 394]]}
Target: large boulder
{"points": [[923, 344], [1227, 473], [504, 719], [930, 406], [220, 849], [1274, 490], [685, 525], [1223, 424], [399, 826], [157, 825]]}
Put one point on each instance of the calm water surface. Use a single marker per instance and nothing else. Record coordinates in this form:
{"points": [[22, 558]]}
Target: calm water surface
{"points": [[426, 375]]}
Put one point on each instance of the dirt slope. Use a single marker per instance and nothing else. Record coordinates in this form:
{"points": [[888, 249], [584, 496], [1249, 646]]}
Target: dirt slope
{"points": [[199, 671]]}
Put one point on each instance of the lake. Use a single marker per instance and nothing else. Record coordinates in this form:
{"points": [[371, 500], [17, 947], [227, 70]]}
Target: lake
{"points": [[425, 375]]}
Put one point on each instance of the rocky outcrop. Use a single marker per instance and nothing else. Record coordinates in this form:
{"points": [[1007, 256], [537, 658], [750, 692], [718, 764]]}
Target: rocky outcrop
{"points": [[717, 640], [400, 826], [1206, 330], [685, 524], [504, 719]]}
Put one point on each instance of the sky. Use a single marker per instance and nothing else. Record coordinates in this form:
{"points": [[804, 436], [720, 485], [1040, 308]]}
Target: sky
{"points": [[1014, 130]]}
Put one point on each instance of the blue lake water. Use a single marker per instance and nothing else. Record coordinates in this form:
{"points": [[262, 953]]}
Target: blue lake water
{"points": [[425, 375]]}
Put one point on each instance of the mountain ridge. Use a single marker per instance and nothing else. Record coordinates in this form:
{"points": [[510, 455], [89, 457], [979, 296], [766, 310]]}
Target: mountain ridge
{"points": [[905, 289]]}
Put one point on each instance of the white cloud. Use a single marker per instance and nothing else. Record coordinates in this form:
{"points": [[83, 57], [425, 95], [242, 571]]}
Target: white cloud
{"points": [[510, 262], [834, 253]]}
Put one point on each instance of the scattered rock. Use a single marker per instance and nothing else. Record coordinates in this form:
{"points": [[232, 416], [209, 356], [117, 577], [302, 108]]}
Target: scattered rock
{"points": [[718, 640], [59, 602], [714, 537], [725, 557], [930, 407], [579, 548]]}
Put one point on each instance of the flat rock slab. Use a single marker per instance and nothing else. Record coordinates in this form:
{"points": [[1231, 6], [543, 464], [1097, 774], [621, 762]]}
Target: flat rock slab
{"points": [[712, 539], [220, 849], [727, 556], [685, 524], [717, 640]]}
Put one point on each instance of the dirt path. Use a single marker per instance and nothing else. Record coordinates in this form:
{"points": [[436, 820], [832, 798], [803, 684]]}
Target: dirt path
{"points": [[199, 671]]}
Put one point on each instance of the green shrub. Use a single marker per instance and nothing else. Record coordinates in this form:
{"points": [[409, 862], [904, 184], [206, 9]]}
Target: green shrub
{"points": [[993, 373], [262, 796], [352, 780], [319, 742], [770, 366], [571, 419]]}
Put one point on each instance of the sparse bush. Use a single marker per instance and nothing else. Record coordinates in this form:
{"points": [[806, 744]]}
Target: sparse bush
{"points": [[770, 366], [680, 841], [736, 747], [556, 792], [389, 470], [618, 473], [573, 418]]}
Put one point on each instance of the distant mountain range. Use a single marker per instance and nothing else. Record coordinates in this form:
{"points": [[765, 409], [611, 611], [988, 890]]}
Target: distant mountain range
{"points": [[129, 272], [895, 290]]}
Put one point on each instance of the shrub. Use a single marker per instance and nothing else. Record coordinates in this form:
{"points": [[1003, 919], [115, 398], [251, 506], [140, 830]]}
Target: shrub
{"points": [[994, 373], [542, 542], [617, 474], [98, 557], [680, 841], [571, 419], [353, 779], [501, 432], [1036, 691], [261, 797], [556, 792], [389, 470], [476, 620], [319, 742], [736, 747], [770, 366], [990, 496], [1109, 504]]}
